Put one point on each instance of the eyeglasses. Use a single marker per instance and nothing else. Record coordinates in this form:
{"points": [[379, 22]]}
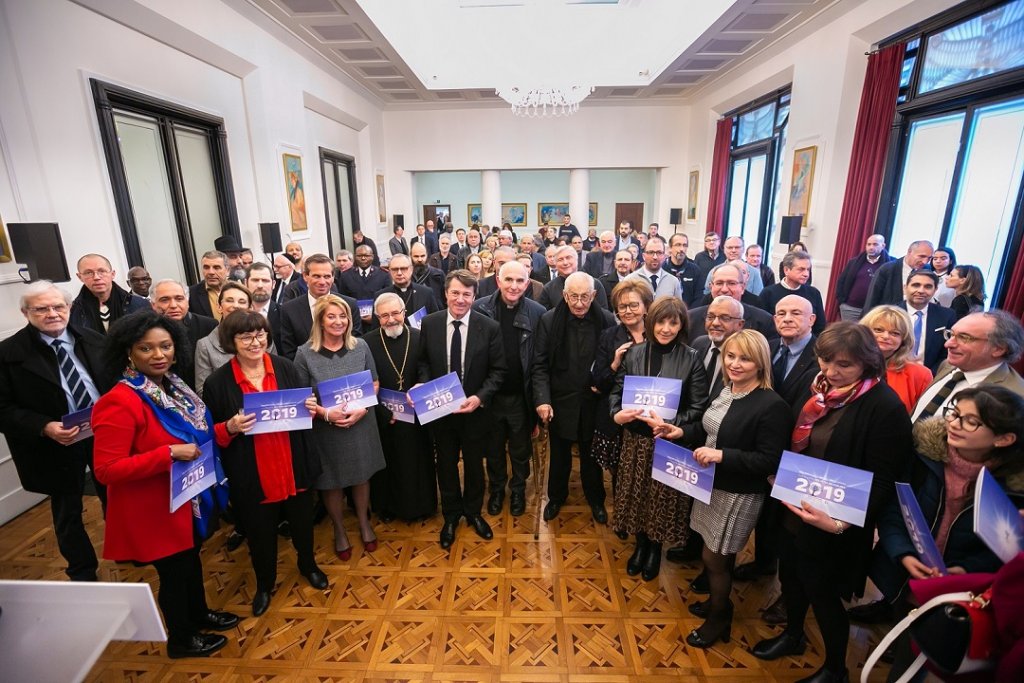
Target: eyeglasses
{"points": [[99, 272], [633, 306], [654, 253], [961, 337], [388, 316], [725, 319], [43, 310], [250, 339], [579, 298], [968, 423]]}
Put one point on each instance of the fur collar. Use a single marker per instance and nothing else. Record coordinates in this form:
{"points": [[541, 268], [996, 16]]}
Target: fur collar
{"points": [[930, 441]]}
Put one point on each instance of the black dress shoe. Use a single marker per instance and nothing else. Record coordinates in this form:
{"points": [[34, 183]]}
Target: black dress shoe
{"points": [[775, 614], [683, 553], [495, 502], [599, 513], [782, 645], [480, 526], [877, 612], [823, 675], [700, 609], [284, 529], [260, 602], [317, 579], [235, 539], [710, 633], [517, 503], [749, 571], [448, 533], [218, 621], [652, 563], [199, 645], [700, 584], [551, 510]]}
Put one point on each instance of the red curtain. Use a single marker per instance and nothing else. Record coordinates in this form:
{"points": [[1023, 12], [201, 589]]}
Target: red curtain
{"points": [[719, 176], [867, 162]]}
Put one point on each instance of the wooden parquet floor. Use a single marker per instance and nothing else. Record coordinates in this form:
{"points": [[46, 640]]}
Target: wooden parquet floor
{"points": [[560, 608]]}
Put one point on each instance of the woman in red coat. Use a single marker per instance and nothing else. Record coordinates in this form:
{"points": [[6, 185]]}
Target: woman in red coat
{"points": [[149, 419]]}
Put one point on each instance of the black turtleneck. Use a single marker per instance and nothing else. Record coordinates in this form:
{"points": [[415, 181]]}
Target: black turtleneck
{"points": [[513, 383]]}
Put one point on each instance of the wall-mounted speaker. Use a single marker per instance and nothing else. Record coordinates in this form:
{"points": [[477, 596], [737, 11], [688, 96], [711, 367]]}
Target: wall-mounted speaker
{"points": [[40, 248], [675, 216], [398, 220], [270, 237], [789, 231]]}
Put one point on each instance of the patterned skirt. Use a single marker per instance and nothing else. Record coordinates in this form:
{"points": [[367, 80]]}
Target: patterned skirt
{"points": [[726, 523], [643, 505]]}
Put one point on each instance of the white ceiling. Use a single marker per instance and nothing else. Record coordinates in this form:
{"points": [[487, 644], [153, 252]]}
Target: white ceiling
{"points": [[426, 53]]}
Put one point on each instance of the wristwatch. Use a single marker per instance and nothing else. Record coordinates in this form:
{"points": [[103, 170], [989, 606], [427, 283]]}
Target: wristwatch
{"points": [[839, 527]]}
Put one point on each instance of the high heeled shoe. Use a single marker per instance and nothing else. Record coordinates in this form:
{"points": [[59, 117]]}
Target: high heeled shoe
{"points": [[652, 563], [345, 554], [715, 628], [635, 563], [370, 545]]}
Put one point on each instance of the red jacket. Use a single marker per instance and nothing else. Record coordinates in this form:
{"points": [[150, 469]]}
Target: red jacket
{"points": [[132, 456]]}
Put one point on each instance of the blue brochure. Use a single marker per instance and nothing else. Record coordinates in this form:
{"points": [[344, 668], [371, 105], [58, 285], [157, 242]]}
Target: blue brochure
{"points": [[81, 419], [675, 467], [278, 411], [189, 478], [352, 391], [996, 519], [841, 491], [416, 318], [365, 307], [652, 395], [917, 528], [399, 404], [437, 398]]}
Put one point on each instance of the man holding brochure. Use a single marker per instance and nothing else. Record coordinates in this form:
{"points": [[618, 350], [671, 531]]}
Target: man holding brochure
{"points": [[461, 341]]}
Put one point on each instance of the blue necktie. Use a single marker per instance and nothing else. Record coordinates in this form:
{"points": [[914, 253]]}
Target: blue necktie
{"points": [[67, 368], [654, 283], [918, 331]]}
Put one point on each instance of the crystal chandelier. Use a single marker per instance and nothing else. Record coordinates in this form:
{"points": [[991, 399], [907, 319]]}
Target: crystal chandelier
{"points": [[541, 102]]}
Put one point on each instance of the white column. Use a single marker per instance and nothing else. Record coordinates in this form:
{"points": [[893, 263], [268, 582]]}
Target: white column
{"points": [[490, 197], [579, 198]]}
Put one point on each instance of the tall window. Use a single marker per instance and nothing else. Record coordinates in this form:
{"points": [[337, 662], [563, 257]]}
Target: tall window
{"points": [[755, 168], [954, 175], [170, 178], [339, 174]]}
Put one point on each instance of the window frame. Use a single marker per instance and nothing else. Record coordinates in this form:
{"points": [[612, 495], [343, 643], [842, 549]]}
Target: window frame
{"points": [[349, 163], [108, 98]]}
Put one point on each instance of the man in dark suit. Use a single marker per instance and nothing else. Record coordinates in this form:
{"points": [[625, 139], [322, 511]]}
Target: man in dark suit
{"points": [[855, 280], [548, 272], [601, 261], [431, 239], [460, 340], [297, 314], [513, 415], [623, 267], [363, 280], [284, 275], [528, 243], [887, 285], [489, 285], [426, 275], [202, 296], [414, 296], [49, 369], [169, 299], [727, 280], [928, 320], [710, 256], [421, 237], [445, 260], [259, 282], [565, 348], [724, 317], [626, 237], [796, 269], [473, 246], [398, 244], [565, 265]]}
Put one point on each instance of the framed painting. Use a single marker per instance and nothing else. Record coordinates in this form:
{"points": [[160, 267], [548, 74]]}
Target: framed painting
{"points": [[382, 211], [6, 255], [802, 182], [513, 214], [295, 190], [592, 215], [473, 212], [551, 213], [692, 191]]}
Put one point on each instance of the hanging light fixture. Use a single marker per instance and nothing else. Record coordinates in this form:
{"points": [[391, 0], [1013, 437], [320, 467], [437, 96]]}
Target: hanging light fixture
{"points": [[542, 102]]}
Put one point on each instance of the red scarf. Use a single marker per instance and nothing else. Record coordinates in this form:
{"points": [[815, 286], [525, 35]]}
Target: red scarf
{"points": [[825, 398]]}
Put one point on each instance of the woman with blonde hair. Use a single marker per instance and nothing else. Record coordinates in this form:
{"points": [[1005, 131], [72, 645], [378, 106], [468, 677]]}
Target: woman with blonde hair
{"points": [[350, 448], [744, 431], [893, 330], [487, 263]]}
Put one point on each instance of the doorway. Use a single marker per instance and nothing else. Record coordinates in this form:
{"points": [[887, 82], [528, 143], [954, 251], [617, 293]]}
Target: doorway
{"points": [[632, 212]]}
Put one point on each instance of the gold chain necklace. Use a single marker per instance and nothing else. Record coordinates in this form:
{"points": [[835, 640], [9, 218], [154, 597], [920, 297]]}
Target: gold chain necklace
{"points": [[398, 371]]}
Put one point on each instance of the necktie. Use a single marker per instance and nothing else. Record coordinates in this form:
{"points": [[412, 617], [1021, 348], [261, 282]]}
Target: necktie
{"points": [[933, 405], [455, 357], [654, 282], [366, 273], [67, 368], [780, 366], [918, 330], [713, 366]]}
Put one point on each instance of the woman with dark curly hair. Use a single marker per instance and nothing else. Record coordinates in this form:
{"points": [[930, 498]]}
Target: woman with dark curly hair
{"points": [[150, 419], [654, 512]]}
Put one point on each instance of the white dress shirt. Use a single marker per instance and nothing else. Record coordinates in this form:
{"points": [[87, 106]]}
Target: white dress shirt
{"points": [[464, 331], [972, 378]]}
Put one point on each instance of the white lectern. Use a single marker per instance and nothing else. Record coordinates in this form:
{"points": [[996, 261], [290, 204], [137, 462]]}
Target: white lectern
{"points": [[56, 630]]}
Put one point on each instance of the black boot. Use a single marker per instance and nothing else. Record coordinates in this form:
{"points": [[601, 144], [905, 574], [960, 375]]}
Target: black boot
{"points": [[635, 563], [652, 563]]}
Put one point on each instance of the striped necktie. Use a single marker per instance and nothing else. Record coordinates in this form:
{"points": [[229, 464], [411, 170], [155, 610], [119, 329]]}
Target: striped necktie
{"points": [[933, 406], [67, 368]]}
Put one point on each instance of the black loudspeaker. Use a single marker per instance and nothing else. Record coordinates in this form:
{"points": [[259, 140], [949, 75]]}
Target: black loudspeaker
{"points": [[270, 237], [789, 231], [675, 216], [40, 248], [398, 220]]}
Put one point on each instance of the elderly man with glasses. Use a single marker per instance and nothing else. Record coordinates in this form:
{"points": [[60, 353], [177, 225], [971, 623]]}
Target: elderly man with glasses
{"points": [[101, 301]]}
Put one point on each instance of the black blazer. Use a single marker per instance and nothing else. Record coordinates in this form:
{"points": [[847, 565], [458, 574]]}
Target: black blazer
{"points": [[198, 300], [295, 289], [886, 286], [594, 263], [796, 388], [938, 319], [223, 397], [773, 294], [483, 370], [702, 345], [352, 284], [446, 264], [849, 275], [753, 434], [542, 276], [31, 396], [373, 247], [297, 324], [197, 326], [753, 319], [278, 294]]}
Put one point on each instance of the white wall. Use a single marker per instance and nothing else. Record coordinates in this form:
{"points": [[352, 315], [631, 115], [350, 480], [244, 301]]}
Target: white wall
{"points": [[196, 53]]}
